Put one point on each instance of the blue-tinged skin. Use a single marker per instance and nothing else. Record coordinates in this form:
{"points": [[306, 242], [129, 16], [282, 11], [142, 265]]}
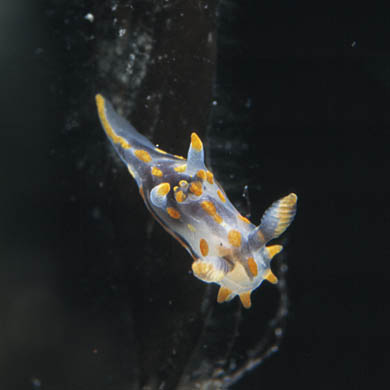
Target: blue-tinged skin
{"points": [[183, 196]]}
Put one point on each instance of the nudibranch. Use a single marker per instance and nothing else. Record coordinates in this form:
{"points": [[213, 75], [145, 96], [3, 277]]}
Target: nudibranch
{"points": [[184, 197]]}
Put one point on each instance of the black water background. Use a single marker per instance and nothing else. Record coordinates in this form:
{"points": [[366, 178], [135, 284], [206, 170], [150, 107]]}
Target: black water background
{"points": [[306, 88]]}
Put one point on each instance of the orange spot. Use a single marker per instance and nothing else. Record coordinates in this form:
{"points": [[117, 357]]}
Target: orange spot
{"points": [[192, 228], [107, 127], [210, 177], [201, 174], [204, 248], [209, 207], [196, 188], [252, 266], [221, 196], [143, 155], [218, 218], [268, 275], [180, 196], [246, 220], [234, 237], [163, 189], [161, 151], [173, 234], [273, 250], [246, 299], [196, 143], [173, 213], [180, 157], [181, 168], [210, 210], [223, 294], [156, 172]]}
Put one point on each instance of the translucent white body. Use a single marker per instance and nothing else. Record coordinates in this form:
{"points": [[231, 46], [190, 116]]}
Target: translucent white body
{"points": [[184, 197]]}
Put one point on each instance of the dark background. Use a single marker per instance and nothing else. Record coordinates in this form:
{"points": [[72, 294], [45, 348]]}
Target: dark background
{"points": [[92, 293]]}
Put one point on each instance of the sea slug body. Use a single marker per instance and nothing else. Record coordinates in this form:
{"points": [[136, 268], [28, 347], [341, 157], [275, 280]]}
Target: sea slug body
{"points": [[183, 196]]}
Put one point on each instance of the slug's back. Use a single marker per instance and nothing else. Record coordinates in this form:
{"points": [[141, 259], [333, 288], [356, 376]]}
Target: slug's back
{"points": [[184, 197]]}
